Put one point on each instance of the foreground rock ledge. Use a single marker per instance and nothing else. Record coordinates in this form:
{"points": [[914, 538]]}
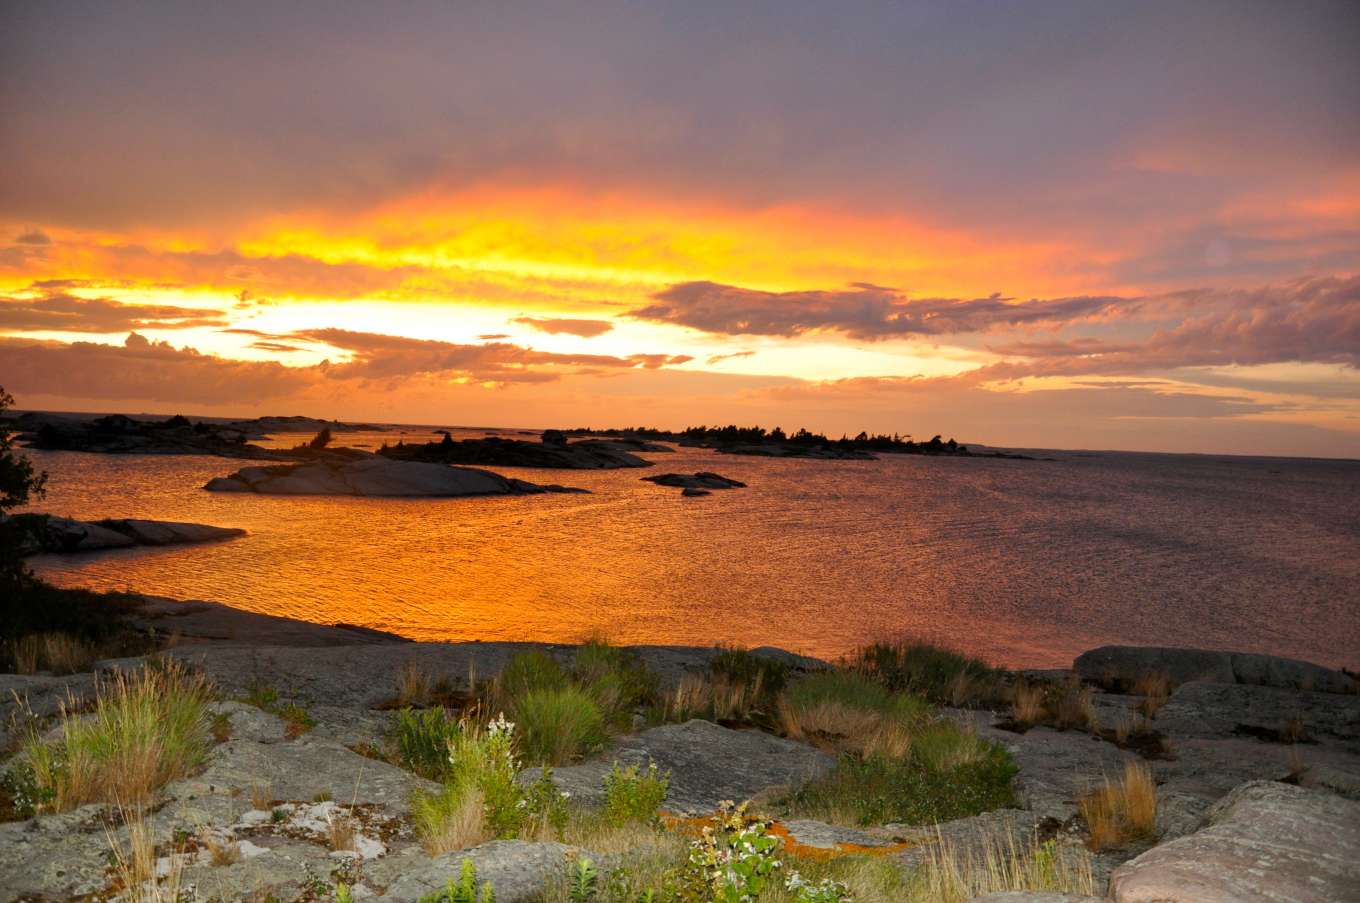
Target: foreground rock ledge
{"points": [[1263, 841], [375, 477]]}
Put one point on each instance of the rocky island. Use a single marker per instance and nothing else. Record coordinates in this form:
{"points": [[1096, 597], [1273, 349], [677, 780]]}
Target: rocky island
{"points": [[553, 450], [700, 483], [40, 533], [374, 476]]}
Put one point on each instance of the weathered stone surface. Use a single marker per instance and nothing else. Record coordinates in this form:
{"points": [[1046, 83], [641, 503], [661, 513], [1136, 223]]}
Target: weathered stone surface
{"points": [[55, 856], [517, 869], [40, 694], [1264, 841], [373, 476], [246, 722], [966, 836], [708, 764], [213, 622], [1120, 666], [819, 834], [1204, 709]]}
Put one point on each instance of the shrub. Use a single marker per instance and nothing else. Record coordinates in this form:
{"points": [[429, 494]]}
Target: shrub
{"points": [[422, 739], [558, 725], [740, 665], [1123, 810], [848, 711], [631, 794], [948, 774], [628, 681], [941, 675], [147, 729], [60, 653], [527, 672]]}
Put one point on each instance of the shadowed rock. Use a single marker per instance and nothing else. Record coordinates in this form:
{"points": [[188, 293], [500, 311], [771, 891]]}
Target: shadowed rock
{"points": [[695, 484], [1118, 667], [553, 452]]}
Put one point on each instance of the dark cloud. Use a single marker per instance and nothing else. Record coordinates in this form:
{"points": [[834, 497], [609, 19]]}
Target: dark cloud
{"points": [[281, 347], [860, 311], [557, 325], [68, 313], [715, 358], [378, 356], [33, 237], [493, 336], [142, 369]]}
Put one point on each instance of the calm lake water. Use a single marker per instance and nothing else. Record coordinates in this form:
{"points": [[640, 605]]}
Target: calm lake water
{"points": [[1024, 562]]}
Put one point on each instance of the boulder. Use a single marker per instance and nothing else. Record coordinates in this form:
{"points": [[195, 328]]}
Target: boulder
{"points": [[1118, 667], [372, 477], [1263, 841]]}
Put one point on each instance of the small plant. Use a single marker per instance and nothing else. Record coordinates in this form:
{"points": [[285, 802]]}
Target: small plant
{"points": [[1027, 703], [1123, 810], [278, 815], [222, 851], [261, 696], [296, 720], [422, 740], [220, 727], [558, 725], [1155, 688], [526, 672], [828, 890], [465, 889], [261, 795], [633, 795], [734, 858], [583, 881]]}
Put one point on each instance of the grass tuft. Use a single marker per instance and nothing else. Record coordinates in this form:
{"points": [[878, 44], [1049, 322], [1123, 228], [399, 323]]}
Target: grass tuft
{"points": [[939, 674], [147, 728], [557, 725], [1122, 810]]}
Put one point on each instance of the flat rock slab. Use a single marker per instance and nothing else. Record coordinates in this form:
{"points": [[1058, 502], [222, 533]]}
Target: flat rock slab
{"points": [[42, 694], [213, 622], [1205, 709], [1120, 666], [300, 770], [819, 834], [1264, 841], [55, 857], [517, 869], [708, 764], [1034, 896], [373, 477]]}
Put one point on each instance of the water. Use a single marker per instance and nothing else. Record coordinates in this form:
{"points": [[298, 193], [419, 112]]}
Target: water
{"points": [[1024, 562]]}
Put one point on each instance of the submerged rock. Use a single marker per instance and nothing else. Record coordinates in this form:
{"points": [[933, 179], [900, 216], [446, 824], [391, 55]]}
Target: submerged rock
{"points": [[1118, 667], [1263, 841], [374, 476]]}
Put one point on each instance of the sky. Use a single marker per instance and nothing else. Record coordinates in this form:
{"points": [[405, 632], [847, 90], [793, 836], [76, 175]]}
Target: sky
{"points": [[1042, 224]]}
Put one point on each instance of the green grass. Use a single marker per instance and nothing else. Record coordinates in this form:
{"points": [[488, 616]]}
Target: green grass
{"points": [[557, 725], [947, 774], [147, 728], [941, 675], [526, 672], [616, 679], [634, 795], [738, 664], [421, 739]]}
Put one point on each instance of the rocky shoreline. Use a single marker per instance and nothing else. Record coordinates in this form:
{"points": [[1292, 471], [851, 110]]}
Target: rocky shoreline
{"points": [[1240, 816]]}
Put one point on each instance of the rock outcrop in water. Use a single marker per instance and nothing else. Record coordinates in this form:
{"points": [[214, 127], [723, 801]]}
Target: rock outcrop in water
{"points": [[554, 451], [700, 483], [374, 476], [46, 533]]}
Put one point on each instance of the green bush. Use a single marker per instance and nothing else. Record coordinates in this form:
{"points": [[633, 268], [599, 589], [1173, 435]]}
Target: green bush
{"points": [[742, 665], [558, 725], [916, 790], [941, 675], [616, 679], [634, 795], [422, 738], [526, 672]]}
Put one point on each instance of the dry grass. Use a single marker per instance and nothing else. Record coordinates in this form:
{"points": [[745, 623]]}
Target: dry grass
{"points": [[734, 699], [1155, 688], [1294, 730], [1027, 703], [147, 729], [1071, 706], [693, 696], [262, 795], [1124, 728], [339, 831], [59, 653], [891, 739], [999, 863], [1123, 810], [828, 718], [222, 851], [134, 864], [414, 687], [452, 819]]}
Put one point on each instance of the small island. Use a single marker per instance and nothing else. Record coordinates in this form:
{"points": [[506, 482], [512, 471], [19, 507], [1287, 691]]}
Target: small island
{"points": [[551, 451]]}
